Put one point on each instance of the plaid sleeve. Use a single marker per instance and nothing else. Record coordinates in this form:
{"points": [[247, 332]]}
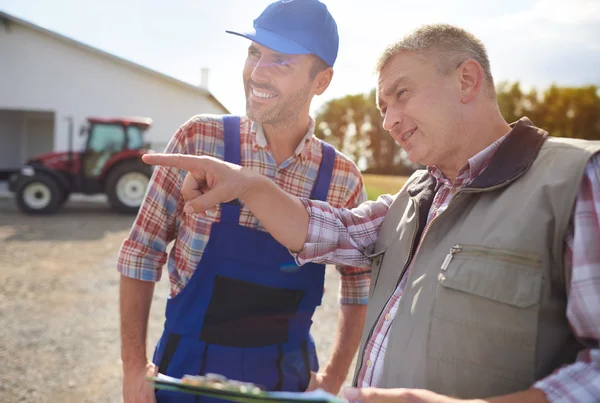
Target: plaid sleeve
{"points": [[580, 381], [143, 253], [355, 281], [342, 236]]}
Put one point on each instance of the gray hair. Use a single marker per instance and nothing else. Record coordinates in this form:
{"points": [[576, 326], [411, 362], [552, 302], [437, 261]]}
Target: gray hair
{"points": [[445, 45]]}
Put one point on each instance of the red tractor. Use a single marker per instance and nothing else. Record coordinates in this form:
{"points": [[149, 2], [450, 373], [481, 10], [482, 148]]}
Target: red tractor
{"points": [[110, 164]]}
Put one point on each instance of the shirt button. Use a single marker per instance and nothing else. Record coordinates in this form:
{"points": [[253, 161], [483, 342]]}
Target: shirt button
{"points": [[388, 317], [369, 364]]}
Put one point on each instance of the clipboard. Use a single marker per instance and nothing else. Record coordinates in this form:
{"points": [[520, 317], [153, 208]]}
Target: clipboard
{"points": [[165, 382]]}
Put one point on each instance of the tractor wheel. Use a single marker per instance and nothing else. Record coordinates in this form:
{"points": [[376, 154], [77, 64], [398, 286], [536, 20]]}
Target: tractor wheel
{"points": [[39, 194], [126, 186], [65, 196]]}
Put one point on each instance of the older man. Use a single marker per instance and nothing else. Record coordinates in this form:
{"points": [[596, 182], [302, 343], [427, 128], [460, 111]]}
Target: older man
{"points": [[486, 265]]}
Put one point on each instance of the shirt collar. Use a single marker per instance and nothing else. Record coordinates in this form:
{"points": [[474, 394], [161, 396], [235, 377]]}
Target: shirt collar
{"points": [[260, 141], [471, 170]]}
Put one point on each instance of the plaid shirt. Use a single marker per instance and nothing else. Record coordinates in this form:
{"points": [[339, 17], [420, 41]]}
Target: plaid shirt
{"points": [[161, 218], [348, 236]]}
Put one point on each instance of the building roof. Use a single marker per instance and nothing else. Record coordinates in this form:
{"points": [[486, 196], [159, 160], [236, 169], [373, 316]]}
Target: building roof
{"points": [[6, 19]]}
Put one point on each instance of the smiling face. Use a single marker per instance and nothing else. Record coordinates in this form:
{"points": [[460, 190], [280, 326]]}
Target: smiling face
{"points": [[278, 87], [421, 108]]}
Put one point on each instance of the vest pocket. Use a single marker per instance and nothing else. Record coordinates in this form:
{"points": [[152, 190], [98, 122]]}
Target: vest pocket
{"points": [[484, 322], [246, 314], [500, 275]]}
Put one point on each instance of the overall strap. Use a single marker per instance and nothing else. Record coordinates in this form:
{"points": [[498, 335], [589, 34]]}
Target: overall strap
{"points": [[230, 212], [321, 186]]}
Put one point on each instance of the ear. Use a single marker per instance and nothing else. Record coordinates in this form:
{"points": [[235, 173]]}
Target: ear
{"points": [[322, 80], [470, 74]]}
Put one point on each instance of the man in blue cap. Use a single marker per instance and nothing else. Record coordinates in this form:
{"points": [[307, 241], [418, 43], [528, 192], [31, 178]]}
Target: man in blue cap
{"points": [[239, 305]]}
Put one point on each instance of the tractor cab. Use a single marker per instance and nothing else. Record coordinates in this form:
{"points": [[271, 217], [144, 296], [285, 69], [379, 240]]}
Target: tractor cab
{"points": [[115, 135], [109, 142], [110, 163], [110, 139]]}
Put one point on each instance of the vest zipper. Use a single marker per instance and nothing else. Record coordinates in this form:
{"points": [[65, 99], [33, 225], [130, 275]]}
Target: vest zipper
{"points": [[412, 252], [450, 255]]}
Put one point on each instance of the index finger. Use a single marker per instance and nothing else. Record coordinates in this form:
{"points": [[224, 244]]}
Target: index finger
{"points": [[181, 161]]}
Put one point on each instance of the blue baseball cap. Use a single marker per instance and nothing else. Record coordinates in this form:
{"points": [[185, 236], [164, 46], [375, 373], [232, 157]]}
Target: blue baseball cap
{"points": [[296, 27]]}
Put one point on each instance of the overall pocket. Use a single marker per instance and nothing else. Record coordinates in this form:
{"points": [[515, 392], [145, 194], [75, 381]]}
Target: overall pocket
{"points": [[178, 356], [246, 314]]}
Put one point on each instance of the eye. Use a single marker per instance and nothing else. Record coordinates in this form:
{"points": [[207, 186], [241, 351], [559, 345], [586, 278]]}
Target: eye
{"points": [[383, 111], [400, 93], [280, 62], [253, 52]]}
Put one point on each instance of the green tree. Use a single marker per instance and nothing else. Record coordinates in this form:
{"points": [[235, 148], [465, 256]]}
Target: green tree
{"points": [[562, 111], [510, 100]]}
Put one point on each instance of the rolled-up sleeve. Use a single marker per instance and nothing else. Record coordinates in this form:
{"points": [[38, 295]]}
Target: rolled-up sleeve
{"points": [[143, 253], [342, 236], [355, 281]]}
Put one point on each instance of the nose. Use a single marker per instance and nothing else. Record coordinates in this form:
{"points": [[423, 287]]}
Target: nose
{"points": [[392, 117], [259, 71]]}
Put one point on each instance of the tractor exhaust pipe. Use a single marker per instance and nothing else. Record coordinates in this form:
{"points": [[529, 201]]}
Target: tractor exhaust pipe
{"points": [[70, 120]]}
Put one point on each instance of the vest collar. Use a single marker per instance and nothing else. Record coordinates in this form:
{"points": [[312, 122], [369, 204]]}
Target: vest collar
{"points": [[513, 159]]}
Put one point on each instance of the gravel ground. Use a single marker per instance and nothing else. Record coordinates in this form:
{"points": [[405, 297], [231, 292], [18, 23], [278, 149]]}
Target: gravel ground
{"points": [[59, 339]]}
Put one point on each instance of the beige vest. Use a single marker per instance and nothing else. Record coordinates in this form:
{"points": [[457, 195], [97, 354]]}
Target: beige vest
{"points": [[483, 311]]}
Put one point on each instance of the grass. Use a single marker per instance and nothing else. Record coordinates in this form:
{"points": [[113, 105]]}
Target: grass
{"points": [[380, 184]]}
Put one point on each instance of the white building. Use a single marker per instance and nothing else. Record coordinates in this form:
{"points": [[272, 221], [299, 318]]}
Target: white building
{"points": [[46, 78]]}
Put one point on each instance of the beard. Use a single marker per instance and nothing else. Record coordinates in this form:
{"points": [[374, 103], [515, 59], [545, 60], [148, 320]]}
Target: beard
{"points": [[285, 109]]}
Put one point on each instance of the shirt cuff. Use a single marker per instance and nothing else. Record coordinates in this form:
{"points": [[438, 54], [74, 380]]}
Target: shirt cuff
{"points": [[140, 262], [310, 250], [578, 382]]}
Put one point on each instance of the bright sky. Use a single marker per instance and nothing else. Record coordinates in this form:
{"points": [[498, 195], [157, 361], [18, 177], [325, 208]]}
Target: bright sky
{"points": [[536, 42]]}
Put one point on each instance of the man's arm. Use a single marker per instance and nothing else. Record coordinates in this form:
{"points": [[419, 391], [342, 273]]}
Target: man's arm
{"points": [[353, 298], [277, 210], [140, 262], [377, 395], [323, 234], [135, 300], [351, 321], [354, 293], [210, 182]]}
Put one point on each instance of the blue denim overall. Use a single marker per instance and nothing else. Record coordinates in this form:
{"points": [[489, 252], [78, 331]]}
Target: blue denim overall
{"points": [[246, 311]]}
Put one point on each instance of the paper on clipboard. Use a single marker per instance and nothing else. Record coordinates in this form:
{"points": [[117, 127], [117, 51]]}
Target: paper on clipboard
{"points": [[175, 384]]}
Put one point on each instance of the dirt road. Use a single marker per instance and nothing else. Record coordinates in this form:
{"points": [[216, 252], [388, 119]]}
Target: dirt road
{"points": [[59, 338]]}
